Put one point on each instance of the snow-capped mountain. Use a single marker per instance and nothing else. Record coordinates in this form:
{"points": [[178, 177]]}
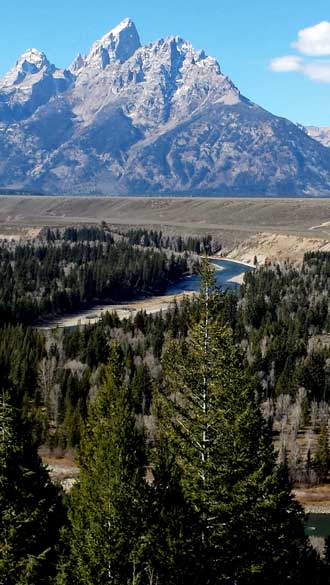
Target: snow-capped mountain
{"points": [[133, 119]]}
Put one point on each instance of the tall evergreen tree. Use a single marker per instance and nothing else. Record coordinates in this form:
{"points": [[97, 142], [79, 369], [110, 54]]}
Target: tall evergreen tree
{"points": [[251, 528], [173, 524], [31, 510], [109, 503], [321, 462]]}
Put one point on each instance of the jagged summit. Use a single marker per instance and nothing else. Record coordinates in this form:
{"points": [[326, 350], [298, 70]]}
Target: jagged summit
{"points": [[33, 57], [78, 63], [146, 119], [126, 24], [32, 82], [31, 62], [119, 44], [322, 134]]}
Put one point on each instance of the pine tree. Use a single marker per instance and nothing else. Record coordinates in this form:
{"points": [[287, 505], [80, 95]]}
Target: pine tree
{"points": [[108, 505], [250, 526], [326, 560], [31, 510], [321, 462], [173, 523], [141, 389]]}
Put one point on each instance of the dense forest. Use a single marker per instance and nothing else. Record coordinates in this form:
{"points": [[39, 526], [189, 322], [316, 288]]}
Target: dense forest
{"points": [[156, 239], [41, 279], [172, 416], [283, 323]]}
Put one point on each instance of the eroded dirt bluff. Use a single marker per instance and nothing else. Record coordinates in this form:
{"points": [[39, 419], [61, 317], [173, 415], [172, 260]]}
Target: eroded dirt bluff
{"points": [[268, 247]]}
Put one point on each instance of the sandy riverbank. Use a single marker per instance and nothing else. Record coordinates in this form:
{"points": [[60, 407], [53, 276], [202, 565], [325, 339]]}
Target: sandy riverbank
{"points": [[123, 310], [239, 279], [183, 288], [314, 499], [63, 469], [235, 260]]}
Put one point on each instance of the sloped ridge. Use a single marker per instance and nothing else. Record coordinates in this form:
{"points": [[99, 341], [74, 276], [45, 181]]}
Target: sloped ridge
{"points": [[133, 119]]}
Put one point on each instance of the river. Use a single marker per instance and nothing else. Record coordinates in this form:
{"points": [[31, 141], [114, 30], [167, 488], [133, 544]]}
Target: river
{"points": [[318, 525], [228, 275]]}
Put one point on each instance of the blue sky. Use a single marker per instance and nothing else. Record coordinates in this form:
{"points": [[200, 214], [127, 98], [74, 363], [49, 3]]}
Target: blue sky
{"points": [[247, 38]]}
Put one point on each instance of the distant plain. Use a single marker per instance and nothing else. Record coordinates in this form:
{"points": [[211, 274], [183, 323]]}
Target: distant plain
{"points": [[234, 219]]}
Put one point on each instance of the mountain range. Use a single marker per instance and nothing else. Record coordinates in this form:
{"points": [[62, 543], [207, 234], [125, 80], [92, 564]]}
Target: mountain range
{"points": [[129, 119]]}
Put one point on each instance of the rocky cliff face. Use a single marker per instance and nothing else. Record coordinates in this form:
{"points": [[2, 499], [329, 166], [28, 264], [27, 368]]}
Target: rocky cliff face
{"points": [[32, 82], [156, 119], [321, 134]]}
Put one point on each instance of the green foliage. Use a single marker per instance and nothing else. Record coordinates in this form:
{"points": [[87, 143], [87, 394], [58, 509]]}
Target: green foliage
{"points": [[147, 238], [282, 316], [108, 505], [41, 280], [30, 506], [86, 234], [206, 502], [250, 528], [141, 390], [173, 526], [20, 351], [321, 462]]}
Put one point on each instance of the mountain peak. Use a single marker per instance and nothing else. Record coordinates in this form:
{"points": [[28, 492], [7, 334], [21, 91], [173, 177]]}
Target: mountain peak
{"points": [[77, 64], [33, 57], [161, 118], [119, 44], [31, 62], [125, 24]]}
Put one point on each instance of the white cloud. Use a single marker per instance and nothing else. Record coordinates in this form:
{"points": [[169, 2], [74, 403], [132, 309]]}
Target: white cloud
{"points": [[314, 40], [314, 70], [318, 71], [286, 63]]}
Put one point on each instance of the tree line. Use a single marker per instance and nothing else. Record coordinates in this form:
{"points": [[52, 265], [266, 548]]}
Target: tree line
{"points": [[158, 239], [40, 280]]}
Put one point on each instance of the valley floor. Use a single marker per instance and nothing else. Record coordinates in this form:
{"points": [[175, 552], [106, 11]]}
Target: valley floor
{"points": [[232, 220]]}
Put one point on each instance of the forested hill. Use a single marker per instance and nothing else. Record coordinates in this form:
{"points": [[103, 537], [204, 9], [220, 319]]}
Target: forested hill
{"points": [[44, 279], [283, 323]]}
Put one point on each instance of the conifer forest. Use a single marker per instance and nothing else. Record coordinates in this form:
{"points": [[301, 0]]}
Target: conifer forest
{"points": [[190, 427]]}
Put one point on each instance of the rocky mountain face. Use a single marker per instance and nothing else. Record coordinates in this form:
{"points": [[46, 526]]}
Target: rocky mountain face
{"points": [[32, 82], [156, 119], [322, 134]]}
